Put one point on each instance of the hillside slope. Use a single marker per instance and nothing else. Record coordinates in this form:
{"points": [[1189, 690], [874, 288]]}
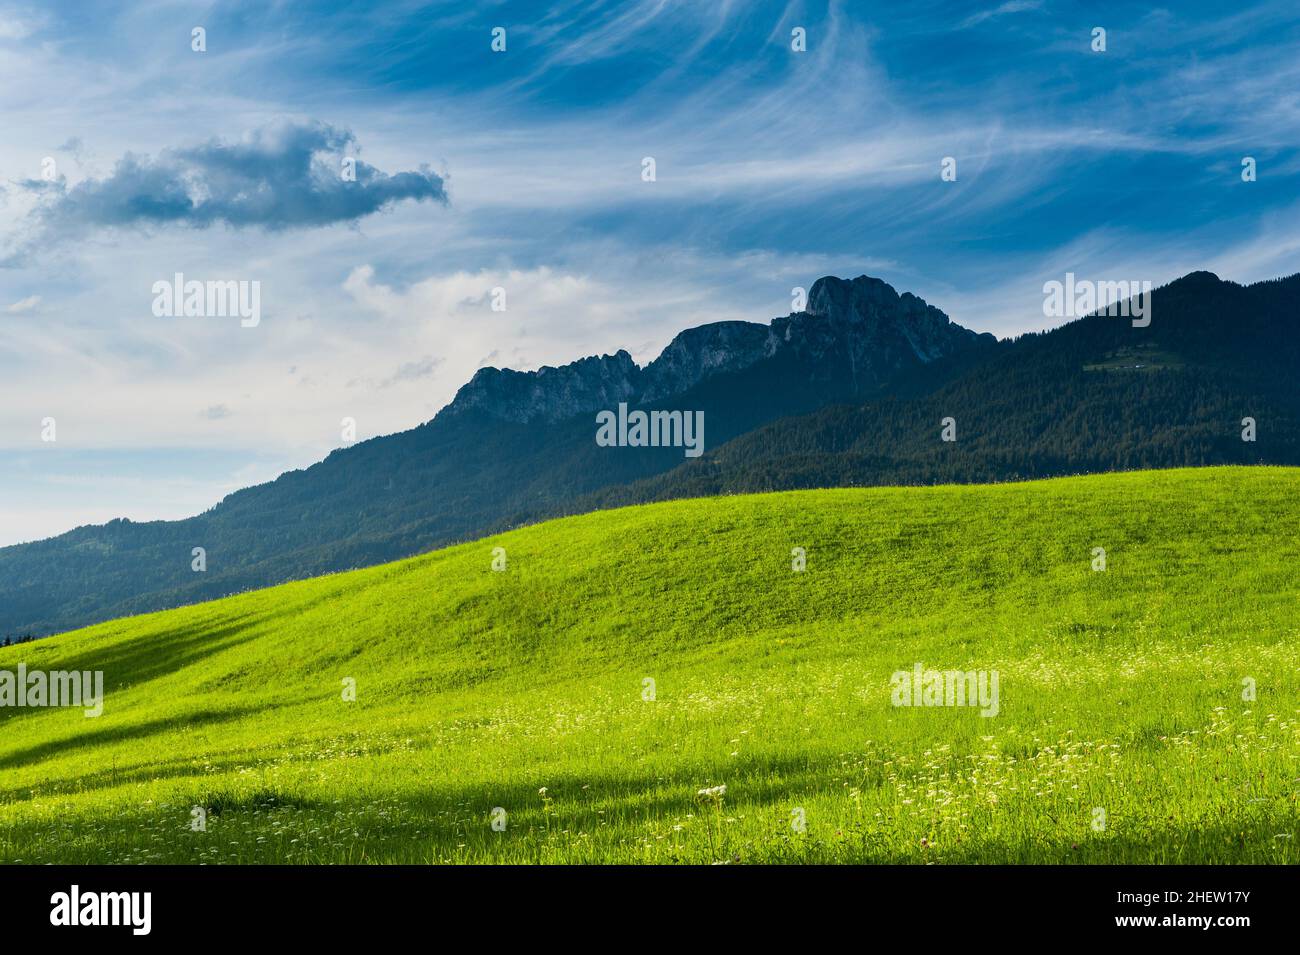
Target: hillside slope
{"points": [[524, 689], [851, 392], [513, 447]]}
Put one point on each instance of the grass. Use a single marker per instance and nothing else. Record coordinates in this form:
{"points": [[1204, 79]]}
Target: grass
{"points": [[1120, 691], [1137, 358]]}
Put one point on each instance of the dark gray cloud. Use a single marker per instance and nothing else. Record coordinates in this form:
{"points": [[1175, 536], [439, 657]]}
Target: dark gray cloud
{"points": [[76, 148], [286, 176], [407, 371], [412, 371]]}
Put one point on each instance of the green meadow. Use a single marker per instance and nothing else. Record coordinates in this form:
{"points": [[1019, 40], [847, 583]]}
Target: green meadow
{"points": [[624, 661]]}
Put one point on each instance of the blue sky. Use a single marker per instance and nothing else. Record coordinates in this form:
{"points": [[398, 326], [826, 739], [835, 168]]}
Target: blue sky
{"points": [[522, 170]]}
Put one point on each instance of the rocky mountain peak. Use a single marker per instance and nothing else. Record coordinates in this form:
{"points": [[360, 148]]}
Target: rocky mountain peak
{"points": [[878, 332], [851, 300], [859, 331], [701, 352], [551, 393]]}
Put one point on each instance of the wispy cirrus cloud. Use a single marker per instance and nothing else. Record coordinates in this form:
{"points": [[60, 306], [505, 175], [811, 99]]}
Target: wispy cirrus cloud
{"points": [[24, 305], [774, 167], [1011, 6]]}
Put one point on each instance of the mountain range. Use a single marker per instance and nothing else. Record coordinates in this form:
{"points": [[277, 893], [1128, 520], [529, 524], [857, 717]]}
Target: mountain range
{"points": [[854, 390]]}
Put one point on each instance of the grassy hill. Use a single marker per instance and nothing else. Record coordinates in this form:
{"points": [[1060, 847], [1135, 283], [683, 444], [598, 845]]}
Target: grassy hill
{"points": [[1068, 401], [1120, 690]]}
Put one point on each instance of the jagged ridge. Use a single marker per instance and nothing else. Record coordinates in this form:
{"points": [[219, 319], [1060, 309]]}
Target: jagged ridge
{"points": [[862, 323]]}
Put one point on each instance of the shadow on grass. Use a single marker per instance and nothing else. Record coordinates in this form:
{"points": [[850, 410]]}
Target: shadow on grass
{"points": [[141, 659], [118, 734], [607, 818]]}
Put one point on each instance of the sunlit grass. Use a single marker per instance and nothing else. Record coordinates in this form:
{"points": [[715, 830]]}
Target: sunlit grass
{"points": [[1121, 691]]}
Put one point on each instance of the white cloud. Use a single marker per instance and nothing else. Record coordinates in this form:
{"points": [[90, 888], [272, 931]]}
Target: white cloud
{"points": [[1011, 6], [384, 322], [24, 305], [18, 25], [550, 317]]}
